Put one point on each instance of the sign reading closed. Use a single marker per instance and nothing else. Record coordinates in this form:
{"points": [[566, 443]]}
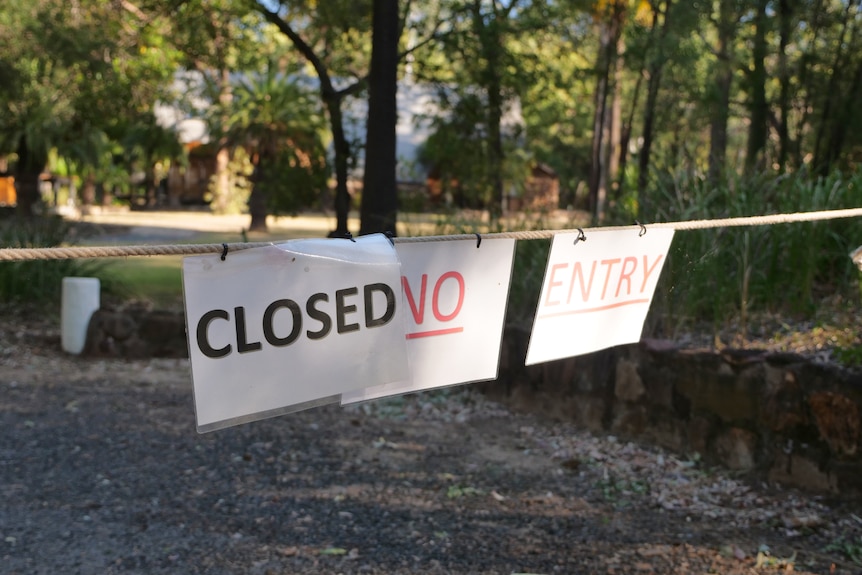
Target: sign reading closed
{"points": [[289, 326]]}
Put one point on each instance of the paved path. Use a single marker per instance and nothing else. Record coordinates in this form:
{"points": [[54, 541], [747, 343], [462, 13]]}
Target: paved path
{"points": [[148, 227]]}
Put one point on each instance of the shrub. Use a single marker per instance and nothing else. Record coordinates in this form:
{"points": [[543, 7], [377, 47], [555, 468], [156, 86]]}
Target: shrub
{"points": [[38, 281], [723, 273]]}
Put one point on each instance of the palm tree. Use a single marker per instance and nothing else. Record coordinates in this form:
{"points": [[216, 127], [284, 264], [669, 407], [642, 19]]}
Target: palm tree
{"points": [[277, 120]]}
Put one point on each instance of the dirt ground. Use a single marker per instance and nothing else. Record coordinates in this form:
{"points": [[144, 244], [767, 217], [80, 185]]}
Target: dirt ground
{"points": [[102, 472]]}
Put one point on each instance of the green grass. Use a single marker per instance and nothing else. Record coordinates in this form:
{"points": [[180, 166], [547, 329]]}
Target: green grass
{"points": [[156, 279]]}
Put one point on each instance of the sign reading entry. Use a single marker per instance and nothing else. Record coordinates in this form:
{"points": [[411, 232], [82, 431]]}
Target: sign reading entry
{"points": [[454, 297], [290, 326], [596, 293]]}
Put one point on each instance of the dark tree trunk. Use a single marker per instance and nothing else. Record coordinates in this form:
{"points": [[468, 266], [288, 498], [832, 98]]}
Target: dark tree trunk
{"points": [[30, 164], [839, 127], [495, 140], [342, 159], [379, 187], [822, 152], [27, 192], [720, 113], [597, 194], [784, 23], [655, 71], [626, 128], [257, 201], [758, 106], [332, 99]]}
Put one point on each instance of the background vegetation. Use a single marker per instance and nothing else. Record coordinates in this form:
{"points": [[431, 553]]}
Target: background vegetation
{"points": [[653, 110]]}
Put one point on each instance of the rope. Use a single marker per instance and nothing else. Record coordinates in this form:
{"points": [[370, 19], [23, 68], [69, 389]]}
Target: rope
{"points": [[20, 254]]}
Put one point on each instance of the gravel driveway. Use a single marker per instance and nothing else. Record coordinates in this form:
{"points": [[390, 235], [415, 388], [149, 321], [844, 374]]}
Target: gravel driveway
{"points": [[101, 471]]}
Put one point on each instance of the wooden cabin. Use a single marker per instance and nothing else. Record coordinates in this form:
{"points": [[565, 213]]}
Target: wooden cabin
{"points": [[541, 191], [7, 190]]}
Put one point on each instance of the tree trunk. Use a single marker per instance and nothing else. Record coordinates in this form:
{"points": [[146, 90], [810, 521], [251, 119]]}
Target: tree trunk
{"points": [[822, 162], [342, 157], [653, 85], [839, 127], [720, 111], [221, 197], [30, 164], [380, 188], [613, 127], [332, 99], [606, 56], [257, 200], [626, 127], [495, 140], [784, 28], [758, 106], [88, 190]]}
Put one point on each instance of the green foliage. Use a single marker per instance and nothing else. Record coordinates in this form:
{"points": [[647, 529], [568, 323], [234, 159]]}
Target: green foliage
{"points": [[38, 281], [528, 270], [849, 356], [530, 261], [851, 549], [724, 273], [279, 123], [74, 71], [458, 491]]}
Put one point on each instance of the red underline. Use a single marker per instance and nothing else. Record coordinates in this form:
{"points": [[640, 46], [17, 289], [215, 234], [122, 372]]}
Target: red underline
{"points": [[595, 309], [434, 332]]}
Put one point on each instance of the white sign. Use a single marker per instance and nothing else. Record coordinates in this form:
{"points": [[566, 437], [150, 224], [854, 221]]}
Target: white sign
{"points": [[454, 297], [596, 293], [290, 326]]}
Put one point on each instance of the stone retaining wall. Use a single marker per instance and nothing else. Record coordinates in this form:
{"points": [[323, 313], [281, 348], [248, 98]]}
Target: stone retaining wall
{"points": [[781, 416], [136, 331]]}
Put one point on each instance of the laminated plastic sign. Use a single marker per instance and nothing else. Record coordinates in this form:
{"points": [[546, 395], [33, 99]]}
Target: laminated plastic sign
{"points": [[596, 292], [454, 301], [289, 326]]}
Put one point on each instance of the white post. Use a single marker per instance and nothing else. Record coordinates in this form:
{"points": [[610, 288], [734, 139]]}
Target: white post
{"points": [[80, 300]]}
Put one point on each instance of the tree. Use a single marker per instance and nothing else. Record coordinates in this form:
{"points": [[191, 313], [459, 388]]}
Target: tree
{"points": [[610, 16], [718, 95], [277, 121], [480, 67], [379, 188], [328, 26], [217, 38], [71, 72], [655, 73], [758, 105]]}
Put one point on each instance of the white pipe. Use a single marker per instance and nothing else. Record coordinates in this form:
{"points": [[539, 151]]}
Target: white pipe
{"points": [[80, 300]]}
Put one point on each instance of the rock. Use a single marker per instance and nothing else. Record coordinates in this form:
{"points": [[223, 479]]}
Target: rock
{"points": [[800, 471], [136, 333], [628, 386], [837, 419], [737, 448], [784, 405]]}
